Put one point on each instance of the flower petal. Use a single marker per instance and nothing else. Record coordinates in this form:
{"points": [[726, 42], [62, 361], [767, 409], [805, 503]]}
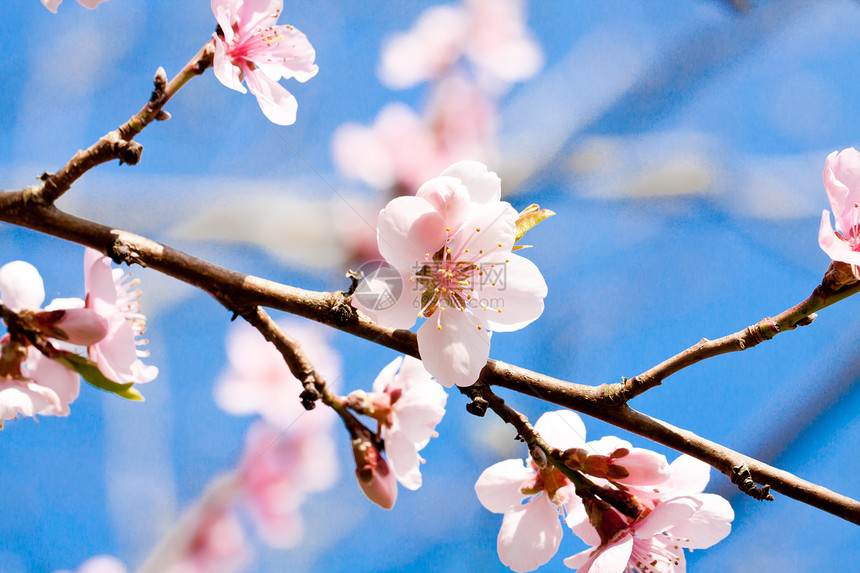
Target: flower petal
{"points": [[21, 286], [449, 197], [455, 353], [226, 72], [62, 382], [487, 227], [277, 104], [611, 558], [388, 297], [689, 475], [711, 523], [408, 229], [519, 294], [562, 429], [836, 248], [667, 515], [404, 459], [499, 487], [484, 185], [530, 535]]}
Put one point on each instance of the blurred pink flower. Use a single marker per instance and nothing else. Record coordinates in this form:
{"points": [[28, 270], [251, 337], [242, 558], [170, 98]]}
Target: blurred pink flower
{"points": [[258, 381], [217, 545], [409, 405], [112, 295], [531, 532], [402, 150], [451, 244], [491, 34], [251, 47], [842, 183], [280, 467], [681, 517], [100, 564], [52, 5]]}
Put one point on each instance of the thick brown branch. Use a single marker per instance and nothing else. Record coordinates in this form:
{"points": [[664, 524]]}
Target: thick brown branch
{"points": [[838, 284], [118, 143], [246, 291]]}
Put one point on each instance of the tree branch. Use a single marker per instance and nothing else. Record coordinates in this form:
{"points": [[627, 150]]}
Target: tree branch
{"points": [[245, 291], [119, 144]]}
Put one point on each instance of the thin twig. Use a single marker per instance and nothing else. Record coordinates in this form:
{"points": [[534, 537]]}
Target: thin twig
{"points": [[119, 144]]}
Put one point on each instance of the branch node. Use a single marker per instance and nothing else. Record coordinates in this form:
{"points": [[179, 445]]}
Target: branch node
{"points": [[121, 252], [355, 278], [478, 405], [742, 477], [341, 311], [129, 152]]}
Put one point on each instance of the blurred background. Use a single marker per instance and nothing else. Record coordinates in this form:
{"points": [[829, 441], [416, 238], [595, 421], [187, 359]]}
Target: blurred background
{"points": [[681, 145]]}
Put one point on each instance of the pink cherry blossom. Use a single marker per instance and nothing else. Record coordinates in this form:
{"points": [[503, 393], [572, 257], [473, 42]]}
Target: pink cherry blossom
{"points": [[678, 517], [52, 5], [100, 564], [112, 295], [842, 183], [491, 34], [531, 531], [251, 47], [281, 467], [403, 150], [409, 405], [30, 383], [451, 244], [648, 472], [258, 381]]}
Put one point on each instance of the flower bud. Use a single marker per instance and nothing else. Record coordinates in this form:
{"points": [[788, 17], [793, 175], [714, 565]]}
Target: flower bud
{"points": [[374, 476]]}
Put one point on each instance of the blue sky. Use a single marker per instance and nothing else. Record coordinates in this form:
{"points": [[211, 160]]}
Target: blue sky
{"points": [[681, 145]]}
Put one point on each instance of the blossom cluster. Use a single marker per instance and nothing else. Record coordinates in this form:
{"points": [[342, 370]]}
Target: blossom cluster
{"points": [[671, 512], [39, 367]]}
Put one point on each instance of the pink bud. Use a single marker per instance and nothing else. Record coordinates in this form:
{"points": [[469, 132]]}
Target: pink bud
{"points": [[374, 476], [76, 325]]}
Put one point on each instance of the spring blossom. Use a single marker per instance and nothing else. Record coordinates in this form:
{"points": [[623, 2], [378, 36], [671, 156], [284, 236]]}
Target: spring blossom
{"points": [[251, 47], [52, 5], [842, 183], [451, 245]]}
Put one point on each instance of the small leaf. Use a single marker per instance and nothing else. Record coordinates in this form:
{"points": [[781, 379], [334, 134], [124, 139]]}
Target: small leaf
{"points": [[529, 217], [91, 373]]}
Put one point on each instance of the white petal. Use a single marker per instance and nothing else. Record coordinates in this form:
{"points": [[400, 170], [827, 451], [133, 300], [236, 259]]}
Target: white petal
{"points": [[530, 535], [499, 486], [562, 429], [389, 298], [518, 292], [709, 525], [62, 381], [21, 286], [667, 515], [385, 378], [403, 459], [487, 227], [689, 475], [408, 229], [277, 104], [484, 186], [455, 353]]}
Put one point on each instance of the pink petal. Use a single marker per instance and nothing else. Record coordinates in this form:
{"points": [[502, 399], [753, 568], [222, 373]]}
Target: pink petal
{"points": [[487, 227], [292, 56], [519, 295], [484, 186], [611, 558], [408, 229], [577, 519], [404, 459], [530, 535], [227, 73], [277, 104], [99, 283], [449, 197], [116, 354], [689, 475], [711, 523], [645, 467], [386, 376], [842, 183], [25, 398], [456, 353], [21, 286], [81, 326], [51, 5], [62, 382], [499, 487], [360, 153], [91, 4], [667, 515], [835, 247], [562, 429], [225, 14], [420, 409], [254, 14]]}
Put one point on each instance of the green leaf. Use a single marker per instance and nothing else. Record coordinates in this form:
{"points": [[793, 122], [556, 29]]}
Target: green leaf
{"points": [[91, 373], [529, 217]]}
